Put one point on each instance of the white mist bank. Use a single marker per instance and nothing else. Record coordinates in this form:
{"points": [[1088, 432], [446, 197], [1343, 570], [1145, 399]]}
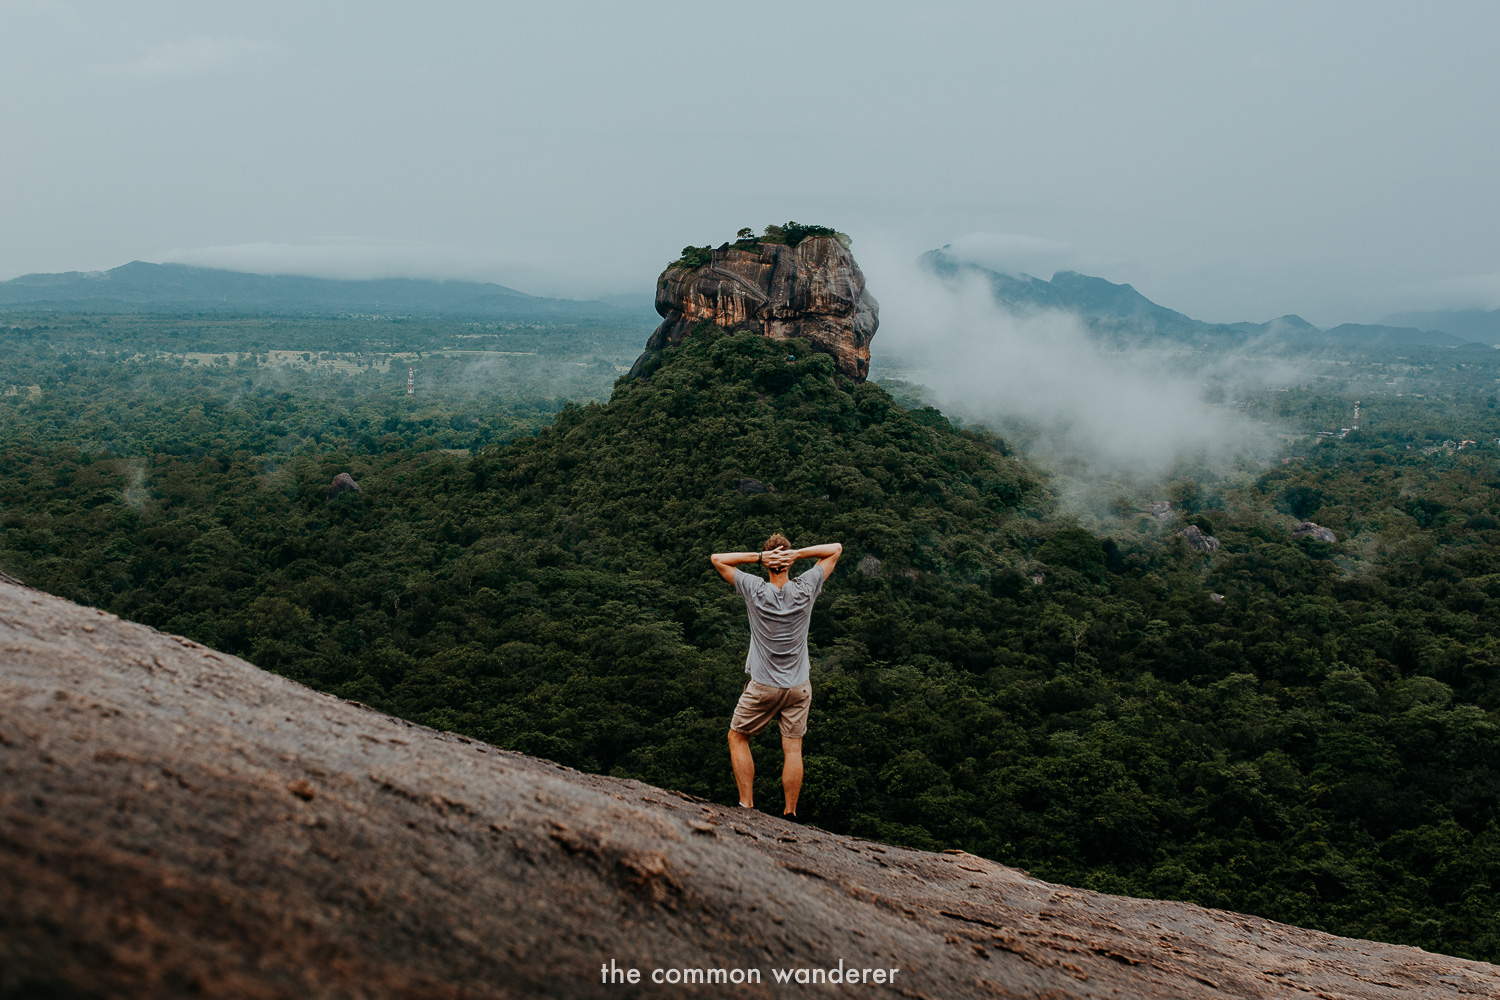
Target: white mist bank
{"points": [[1122, 414]]}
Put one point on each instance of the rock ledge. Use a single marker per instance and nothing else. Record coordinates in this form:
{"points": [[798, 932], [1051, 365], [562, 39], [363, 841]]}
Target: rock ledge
{"points": [[175, 822]]}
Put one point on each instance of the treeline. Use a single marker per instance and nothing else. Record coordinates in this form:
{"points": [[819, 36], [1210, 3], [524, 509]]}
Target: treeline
{"points": [[102, 388], [179, 333], [1319, 746]]}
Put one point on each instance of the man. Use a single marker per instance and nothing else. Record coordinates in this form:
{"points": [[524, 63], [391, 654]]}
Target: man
{"points": [[777, 663]]}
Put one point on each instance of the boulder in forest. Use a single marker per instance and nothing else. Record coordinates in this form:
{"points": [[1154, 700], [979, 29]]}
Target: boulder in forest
{"points": [[1198, 540], [869, 564], [1161, 510], [1310, 529], [750, 486], [342, 483], [811, 291]]}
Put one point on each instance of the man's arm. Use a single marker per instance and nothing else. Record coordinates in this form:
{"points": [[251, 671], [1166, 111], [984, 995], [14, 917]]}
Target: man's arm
{"points": [[725, 562], [826, 555]]}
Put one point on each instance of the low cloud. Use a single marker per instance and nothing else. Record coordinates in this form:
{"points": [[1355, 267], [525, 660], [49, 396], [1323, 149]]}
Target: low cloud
{"points": [[1041, 376], [1461, 291], [1010, 253], [188, 57]]}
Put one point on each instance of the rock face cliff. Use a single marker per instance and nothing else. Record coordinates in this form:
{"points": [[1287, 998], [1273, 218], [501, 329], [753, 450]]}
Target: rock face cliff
{"points": [[814, 291], [175, 822]]}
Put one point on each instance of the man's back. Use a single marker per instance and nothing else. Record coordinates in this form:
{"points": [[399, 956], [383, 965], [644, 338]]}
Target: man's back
{"points": [[780, 610], [779, 618]]}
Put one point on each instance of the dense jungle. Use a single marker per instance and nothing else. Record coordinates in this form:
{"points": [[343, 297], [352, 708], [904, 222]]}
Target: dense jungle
{"points": [[1303, 730]]}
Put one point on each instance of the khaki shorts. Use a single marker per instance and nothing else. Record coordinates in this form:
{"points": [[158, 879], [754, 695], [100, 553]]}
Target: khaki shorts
{"points": [[761, 703]]}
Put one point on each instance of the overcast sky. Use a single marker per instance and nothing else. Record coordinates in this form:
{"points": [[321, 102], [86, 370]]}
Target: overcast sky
{"points": [[1338, 160]]}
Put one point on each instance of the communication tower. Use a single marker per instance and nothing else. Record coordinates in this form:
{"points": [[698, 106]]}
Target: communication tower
{"points": [[1356, 416], [411, 381]]}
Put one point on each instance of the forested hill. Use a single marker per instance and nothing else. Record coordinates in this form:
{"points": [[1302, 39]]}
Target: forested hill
{"points": [[1319, 746]]}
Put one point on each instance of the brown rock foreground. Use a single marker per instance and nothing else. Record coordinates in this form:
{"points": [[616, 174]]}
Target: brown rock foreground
{"points": [[174, 821]]}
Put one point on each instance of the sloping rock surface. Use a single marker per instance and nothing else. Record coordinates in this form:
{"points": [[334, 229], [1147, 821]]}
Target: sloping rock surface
{"points": [[814, 291], [175, 822]]}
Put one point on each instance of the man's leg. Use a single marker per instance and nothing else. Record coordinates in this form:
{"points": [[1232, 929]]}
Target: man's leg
{"points": [[744, 766], [791, 772]]}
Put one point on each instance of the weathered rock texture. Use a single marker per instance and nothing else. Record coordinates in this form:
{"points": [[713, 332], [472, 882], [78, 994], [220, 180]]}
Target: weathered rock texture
{"points": [[342, 483], [1311, 529], [1198, 540], [814, 291], [175, 822]]}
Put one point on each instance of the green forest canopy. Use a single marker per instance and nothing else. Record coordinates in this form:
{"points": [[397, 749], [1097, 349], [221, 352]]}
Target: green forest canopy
{"points": [[1319, 747]]}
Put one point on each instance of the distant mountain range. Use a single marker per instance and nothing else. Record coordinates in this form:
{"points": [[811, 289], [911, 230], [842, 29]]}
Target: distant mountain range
{"points": [[1471, 324], [1121, 312], [143, 287], [1109, 309]]}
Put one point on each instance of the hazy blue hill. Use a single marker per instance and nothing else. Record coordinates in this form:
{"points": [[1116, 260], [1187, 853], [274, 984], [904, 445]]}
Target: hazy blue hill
{"points": [[1124, 303], [1379, 335], [1098, 301], [144, 287], [1120, 312], [1290, 325], [1106, 307], [1470, 324]]}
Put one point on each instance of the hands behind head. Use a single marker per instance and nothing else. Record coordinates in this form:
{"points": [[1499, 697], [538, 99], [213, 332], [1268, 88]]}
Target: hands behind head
{"points": [[778, 560]]}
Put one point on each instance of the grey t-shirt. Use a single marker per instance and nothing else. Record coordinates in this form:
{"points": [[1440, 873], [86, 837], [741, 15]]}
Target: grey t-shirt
{"points": [[778, 626]]}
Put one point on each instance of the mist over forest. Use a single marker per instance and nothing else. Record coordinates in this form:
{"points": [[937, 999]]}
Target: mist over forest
{"points": [[1028, 651]]}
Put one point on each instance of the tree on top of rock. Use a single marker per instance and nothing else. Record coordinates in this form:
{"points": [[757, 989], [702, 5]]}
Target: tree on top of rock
{"points": [[794, 233]]}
